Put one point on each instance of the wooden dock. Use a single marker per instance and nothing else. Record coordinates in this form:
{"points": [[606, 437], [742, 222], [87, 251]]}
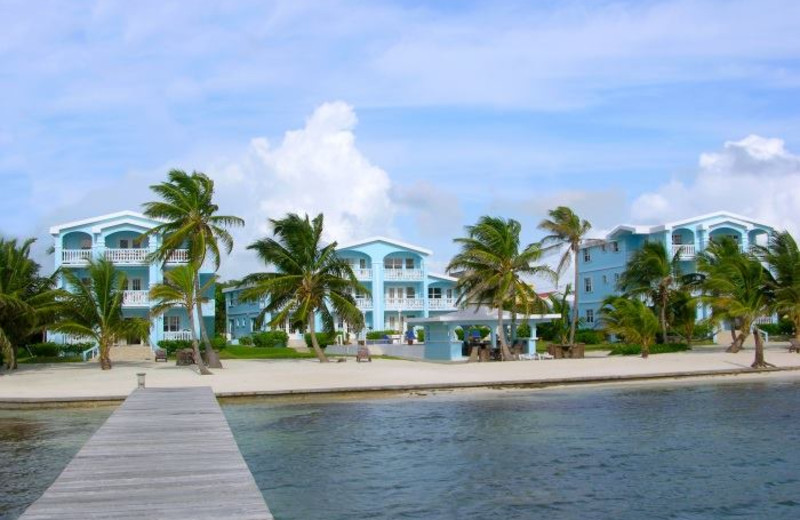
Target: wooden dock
{"points": [[165, 453]]}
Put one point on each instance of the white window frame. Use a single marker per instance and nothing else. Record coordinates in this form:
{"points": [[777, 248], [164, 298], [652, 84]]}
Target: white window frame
{"points": [[434, 293], [124, 243], [172, 323], [411, 293], [588, 286], [589, 315], [136, 284], [587, 256], [615, 246], [605, 279]]}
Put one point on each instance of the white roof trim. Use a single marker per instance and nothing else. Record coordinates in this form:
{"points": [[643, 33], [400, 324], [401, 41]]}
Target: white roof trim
{"points": [[54, 230], [443, 277], [388, 241], [644, 230]]}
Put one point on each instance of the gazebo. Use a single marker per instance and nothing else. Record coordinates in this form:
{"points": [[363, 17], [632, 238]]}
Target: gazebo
{"points": [[441, 342]]}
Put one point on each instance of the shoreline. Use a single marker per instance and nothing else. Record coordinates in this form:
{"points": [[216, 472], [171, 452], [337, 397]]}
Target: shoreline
{"points": [[310, 381]]}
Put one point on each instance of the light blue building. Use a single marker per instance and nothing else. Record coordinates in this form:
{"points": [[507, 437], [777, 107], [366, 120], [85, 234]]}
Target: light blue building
{"points": [[117, 237], [396, 276], [601, 262]]}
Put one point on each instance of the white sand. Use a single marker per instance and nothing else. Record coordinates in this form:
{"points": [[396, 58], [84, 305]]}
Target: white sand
{"points": [[82, 380]]}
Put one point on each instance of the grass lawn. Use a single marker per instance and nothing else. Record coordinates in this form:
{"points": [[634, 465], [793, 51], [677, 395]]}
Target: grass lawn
{"points": [[50, 359], [243, 352]]}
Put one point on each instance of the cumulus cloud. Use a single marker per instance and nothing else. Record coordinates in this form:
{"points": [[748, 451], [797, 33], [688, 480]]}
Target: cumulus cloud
{"points": [[435, 210], [317, 169], [755, 176]]}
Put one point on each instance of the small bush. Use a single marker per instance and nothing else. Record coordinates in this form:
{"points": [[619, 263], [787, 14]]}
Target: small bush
{"points": [[323, 338], [171, 345], [421, 335], [782, 328], [625, 349], [74, 349], [48, 349], [274, 338], [524, 331], [379, 334], [483, 331], [246, 340], [219, 343], [589, 336]]}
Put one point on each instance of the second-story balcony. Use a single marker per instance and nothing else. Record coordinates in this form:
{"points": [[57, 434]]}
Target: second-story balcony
{"points": [[403, 275], [441, 304], [135, 298], [75, 256], [364, 304], [363, 274], [404, 304], [127, 256], [684, 251]]}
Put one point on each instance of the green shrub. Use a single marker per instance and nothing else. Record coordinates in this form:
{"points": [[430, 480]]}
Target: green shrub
{"points": [[626, 349], [323, 338], [589, 336], [274, 338], [379, 334], [47, 349], [171, 345], [219, 343], [421, 335], [784, 327], [246, 340], [702, 330], [483, 330], [524, 331], [74, 349]]}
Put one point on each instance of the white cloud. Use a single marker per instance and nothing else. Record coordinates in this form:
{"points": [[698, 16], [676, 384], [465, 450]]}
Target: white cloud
{"points": [[317, 169], [755, 176]]}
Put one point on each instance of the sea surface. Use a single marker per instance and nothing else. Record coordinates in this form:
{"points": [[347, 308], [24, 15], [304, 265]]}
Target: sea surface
{"points": [[35, 446], [689, 452]]}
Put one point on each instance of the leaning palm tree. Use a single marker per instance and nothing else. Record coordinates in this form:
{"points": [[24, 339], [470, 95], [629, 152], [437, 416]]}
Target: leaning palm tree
{"points": [[27, 300], [310, 279], [740, 288], [494, 267], [191, 220], [631, 319], [652, 274], [92, 309], [566, 232], [783, 258], [683, 313], [178, 290]]}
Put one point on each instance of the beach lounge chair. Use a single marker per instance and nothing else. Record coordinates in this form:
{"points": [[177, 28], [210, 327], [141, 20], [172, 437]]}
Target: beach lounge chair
{"points": [[794, 345], [363, 354], [160, 355]]}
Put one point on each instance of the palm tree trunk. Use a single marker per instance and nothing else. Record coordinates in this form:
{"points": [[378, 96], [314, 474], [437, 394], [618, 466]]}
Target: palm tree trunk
{"points": [[663, 316], [759, 362], [314, 343], [211, 356], [201, 366], [574, 325], [737, 344], [105, 355], [504, 352], [645, 350]]}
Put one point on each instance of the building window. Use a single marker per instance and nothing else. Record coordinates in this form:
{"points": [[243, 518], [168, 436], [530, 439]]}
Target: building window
{"points": [[136, 284], [616, 277], [605, 279], [603, 248], [587, 285], [234, 298], [393, 263], [677, 239], [589, 316], [86, 243], [410, 292], [587, 255], [434, 292], [615, 246], [123, 243], [362, 263], [252, 324], [449, 294], [137, 243], [409, 263], [172, 323]]}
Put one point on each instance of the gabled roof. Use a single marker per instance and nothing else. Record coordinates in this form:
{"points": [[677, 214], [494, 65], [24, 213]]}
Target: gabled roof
{"points": [[646, 230], [110, 218], [391, 241], [443, 277]]}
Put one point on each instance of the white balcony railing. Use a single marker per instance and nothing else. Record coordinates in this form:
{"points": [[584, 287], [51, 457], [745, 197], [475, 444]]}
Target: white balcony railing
{"points": [[135, 298], [127, 256], [404, 304], [683, 250], [75, 256], [363, 274], [179, 256], [178, 335], [402, 275], [364, 304], [438, 304]]}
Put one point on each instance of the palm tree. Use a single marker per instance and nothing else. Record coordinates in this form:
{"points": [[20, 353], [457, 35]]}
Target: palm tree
{"points": [[191, 221], [651, 273], [682, 312], [739, 288], [559, 305], [310, 279], [631, 319], [783, 258], [566, 231], [93, 309], [27, 300], [178, 290], [493, 267]]}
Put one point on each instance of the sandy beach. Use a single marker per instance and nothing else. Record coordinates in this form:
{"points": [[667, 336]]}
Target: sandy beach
{"points": [[78, 381]]}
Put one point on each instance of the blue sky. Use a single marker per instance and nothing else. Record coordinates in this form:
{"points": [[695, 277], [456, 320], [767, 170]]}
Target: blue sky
{"points": [[407, 119]]}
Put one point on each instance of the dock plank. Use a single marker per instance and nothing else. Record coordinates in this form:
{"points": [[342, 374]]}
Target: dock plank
{"points": [[164, 453]]}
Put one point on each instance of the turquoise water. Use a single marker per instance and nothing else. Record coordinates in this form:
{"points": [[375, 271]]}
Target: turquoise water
{"points": [[35, 446], [710, 451]]}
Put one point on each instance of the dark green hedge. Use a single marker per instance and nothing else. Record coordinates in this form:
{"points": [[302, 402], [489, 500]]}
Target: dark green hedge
{"points": [[379, 334], [624, 349], [323, 338], [274, 338]]}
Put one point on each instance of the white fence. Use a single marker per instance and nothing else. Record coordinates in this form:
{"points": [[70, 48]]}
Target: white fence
{"points": [[404, 304], [135, 298], [127, 256], [402, 275], [75, 256]]}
